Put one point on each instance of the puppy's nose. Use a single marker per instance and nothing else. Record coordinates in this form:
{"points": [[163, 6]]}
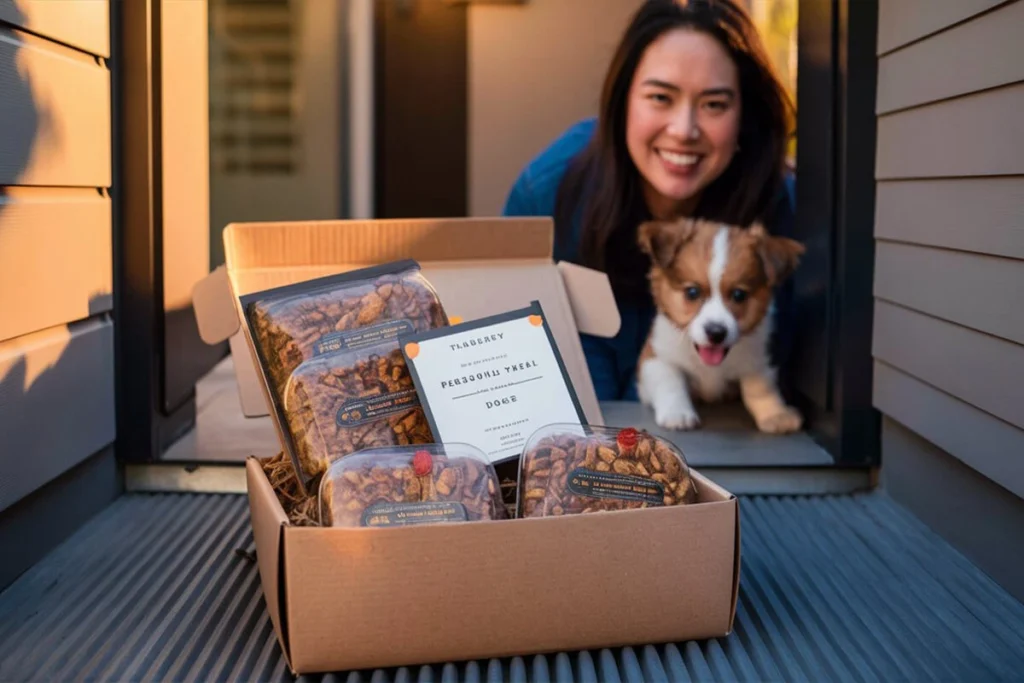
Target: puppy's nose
{"points": [[716, 333]]}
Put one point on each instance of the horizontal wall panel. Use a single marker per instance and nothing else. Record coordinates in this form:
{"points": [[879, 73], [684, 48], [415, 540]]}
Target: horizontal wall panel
{"points": [[983, 442], [84, 24], [55, 109], [984, 371], [904, 21], [982, 53], [56, 403], [976, 135], [983, 292], [55, 258], [972, 214]]}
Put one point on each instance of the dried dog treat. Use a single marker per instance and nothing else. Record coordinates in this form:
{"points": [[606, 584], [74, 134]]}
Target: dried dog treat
{"points": [[568, 469], [332, 342], [400, 486], [349, 401], [294, 323]]}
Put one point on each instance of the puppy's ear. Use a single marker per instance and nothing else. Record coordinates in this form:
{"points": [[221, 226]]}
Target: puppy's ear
{"points": [[661, 240], [780, 255]]}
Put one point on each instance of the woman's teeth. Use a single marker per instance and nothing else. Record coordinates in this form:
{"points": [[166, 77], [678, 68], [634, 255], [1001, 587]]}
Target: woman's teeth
{"points": [[678, 159]]}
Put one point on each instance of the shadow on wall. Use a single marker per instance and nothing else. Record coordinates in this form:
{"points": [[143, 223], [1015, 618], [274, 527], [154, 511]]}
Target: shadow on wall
{"points": [[56, 385], [18, 114]]}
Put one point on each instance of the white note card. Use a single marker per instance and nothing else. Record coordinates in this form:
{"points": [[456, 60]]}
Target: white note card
{"points": [[492, 382]]}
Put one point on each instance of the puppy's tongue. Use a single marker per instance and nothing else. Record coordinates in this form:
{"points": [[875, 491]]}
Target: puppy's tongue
{"points": [[712, 355]]}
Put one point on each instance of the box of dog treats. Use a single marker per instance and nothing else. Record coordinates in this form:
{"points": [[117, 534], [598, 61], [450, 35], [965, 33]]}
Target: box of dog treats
{"points": [[370, 527]]}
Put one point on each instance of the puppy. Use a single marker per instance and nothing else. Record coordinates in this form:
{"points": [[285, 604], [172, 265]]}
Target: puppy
{"points": [[713, 287]]}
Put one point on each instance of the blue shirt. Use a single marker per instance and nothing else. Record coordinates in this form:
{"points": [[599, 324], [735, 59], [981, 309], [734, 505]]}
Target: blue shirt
{"points": [[612, 362]]}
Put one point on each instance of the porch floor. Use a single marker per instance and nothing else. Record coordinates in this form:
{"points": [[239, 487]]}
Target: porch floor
{"points": [[852, 587]]}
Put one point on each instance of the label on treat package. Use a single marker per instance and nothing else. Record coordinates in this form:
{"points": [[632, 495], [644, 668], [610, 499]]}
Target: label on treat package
{"points": [[584, 482], [492, 382], [404, 514], [360, 410], [362, 336]]}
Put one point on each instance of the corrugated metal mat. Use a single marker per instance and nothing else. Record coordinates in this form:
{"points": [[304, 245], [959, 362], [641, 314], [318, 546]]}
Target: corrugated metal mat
{"points": [[833, 588]]}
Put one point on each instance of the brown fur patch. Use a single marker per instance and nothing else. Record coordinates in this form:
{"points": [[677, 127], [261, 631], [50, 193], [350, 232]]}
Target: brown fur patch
{"points": [[680, 252], [745, 271]]}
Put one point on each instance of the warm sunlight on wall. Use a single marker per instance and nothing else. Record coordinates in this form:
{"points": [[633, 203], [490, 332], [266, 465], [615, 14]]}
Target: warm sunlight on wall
{"points": [[38, 351]]}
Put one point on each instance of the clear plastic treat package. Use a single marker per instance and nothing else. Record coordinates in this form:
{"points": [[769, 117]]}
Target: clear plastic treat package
{"points": [[404, 485], [349, 401], [341, 333], [572, 469]]}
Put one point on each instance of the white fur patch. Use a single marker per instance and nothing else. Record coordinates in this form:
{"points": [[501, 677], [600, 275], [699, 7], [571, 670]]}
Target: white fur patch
{"points": [[714, 311]]}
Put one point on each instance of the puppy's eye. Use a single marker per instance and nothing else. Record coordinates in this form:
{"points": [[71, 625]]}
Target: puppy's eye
{"points": [[738, 295], [692, 293]]}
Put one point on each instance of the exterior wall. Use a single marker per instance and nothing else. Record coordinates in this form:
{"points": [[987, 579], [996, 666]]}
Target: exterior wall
{"points": [[948, 339], [56, 273]]}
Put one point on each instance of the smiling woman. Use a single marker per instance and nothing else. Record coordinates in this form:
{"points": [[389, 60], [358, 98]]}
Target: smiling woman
{"points": [[693, 121]]}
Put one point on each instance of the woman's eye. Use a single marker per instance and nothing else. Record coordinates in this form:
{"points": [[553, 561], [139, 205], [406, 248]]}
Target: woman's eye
{"points": [[718, 106], [660, 98], [738, 295], [692, 293]]}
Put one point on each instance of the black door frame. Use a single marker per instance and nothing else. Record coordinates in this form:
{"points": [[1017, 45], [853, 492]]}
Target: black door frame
{"points": [[836, 124], [421, 115], [147, 421]]}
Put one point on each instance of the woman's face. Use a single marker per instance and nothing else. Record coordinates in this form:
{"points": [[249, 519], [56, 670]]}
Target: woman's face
{"points": [[682, 118]]}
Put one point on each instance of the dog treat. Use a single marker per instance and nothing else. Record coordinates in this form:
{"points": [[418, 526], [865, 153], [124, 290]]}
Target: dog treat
{"points": [[434, 483], [349, 401], [294, 323], [568, 469], [332, 342]]}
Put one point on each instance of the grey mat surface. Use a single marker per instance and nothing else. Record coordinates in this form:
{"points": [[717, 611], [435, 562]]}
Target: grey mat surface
{"points": [[832, 589], [727, 437]]}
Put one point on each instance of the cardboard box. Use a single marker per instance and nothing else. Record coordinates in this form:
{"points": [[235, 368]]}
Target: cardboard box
{"points": [[344, 599], [361, 598]]}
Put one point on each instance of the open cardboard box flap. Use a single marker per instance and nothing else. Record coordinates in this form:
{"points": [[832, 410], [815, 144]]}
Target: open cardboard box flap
{"points": [[479, 267], [350, 599]]}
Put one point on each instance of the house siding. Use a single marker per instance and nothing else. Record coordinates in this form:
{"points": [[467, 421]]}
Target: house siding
{"points": [[56, 246], [948, 337]]}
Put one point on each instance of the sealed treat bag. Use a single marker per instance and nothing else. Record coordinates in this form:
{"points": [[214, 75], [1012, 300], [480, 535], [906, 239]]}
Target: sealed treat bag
{"points": [[572, 469], [349, 401], [434, 483], [339, 336], [294, 323]]}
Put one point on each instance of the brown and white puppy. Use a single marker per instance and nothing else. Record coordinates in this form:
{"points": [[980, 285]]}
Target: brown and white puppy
{"points": [[713, 287]]}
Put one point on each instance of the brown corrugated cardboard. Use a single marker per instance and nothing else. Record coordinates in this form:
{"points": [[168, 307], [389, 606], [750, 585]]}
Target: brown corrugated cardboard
{"points": [[359, 598], [364, 598]]}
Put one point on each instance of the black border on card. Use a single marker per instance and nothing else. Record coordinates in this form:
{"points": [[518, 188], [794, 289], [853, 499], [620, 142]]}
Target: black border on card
{"points": [[533, 309]]}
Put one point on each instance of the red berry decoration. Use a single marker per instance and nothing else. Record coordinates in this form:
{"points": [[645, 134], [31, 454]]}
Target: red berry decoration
{"points": [[628, 438], [422, 463]]}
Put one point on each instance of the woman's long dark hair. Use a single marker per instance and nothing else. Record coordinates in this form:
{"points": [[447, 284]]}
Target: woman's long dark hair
{"points": [[604, 172]]}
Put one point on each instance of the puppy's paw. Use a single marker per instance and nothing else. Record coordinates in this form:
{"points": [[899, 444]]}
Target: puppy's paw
{"points": [[786, 421], [676, 416]]}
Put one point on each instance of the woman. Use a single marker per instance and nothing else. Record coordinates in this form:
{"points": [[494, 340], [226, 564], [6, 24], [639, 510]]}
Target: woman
{"points": [[693, 121]]}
